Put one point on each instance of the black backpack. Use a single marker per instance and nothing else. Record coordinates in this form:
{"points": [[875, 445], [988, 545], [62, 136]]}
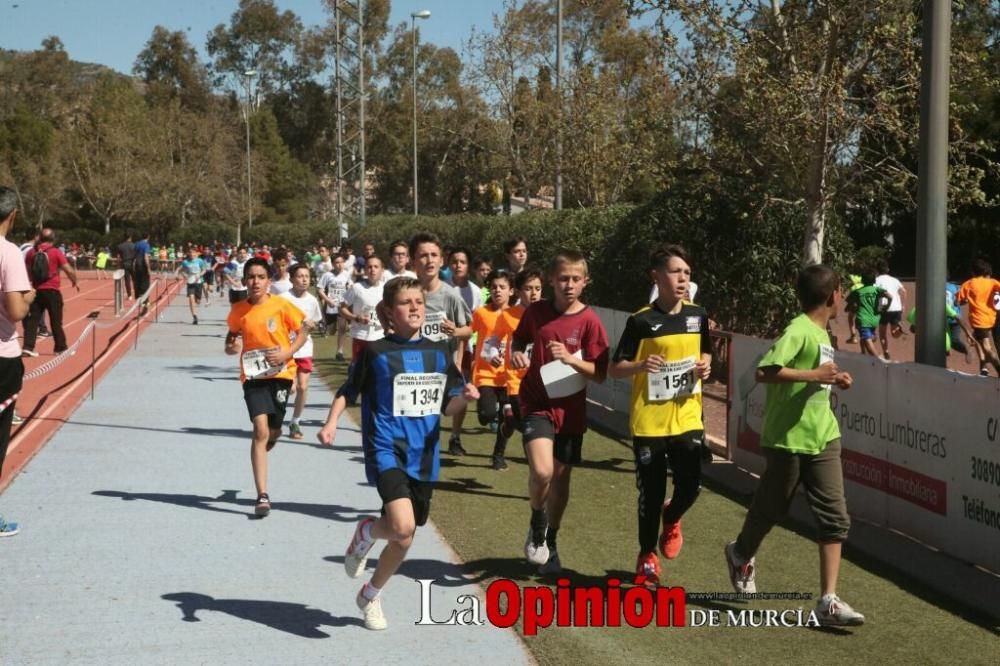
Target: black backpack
{"points": [[39, 267]]}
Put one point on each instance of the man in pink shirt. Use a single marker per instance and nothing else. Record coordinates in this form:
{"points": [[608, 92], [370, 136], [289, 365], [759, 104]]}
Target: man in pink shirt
{"points": [[49, 298], [17, 298]]}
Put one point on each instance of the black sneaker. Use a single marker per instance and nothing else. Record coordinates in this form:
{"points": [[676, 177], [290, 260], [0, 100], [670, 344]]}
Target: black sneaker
{"points": [[984, 373], [499, 464], [455, 446], [44, 333], [340, 356], [195, 321]]}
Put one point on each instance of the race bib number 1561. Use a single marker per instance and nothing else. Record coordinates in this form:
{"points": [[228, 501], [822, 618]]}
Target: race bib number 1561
{"points": [[676, 379]]}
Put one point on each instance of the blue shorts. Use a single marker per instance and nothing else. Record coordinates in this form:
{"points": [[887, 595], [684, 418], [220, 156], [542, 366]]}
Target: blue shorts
{"points": [[867, 333]]}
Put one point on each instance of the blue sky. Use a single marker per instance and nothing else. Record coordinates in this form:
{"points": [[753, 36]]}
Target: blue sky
{"points": [[112, 32]]}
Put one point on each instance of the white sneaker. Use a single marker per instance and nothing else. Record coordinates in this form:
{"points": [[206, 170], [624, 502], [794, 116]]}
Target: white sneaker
{"points": [[356, 556], [31, 353], [536, 554], [831, 611], [552, 566], [741, 572], [374, 617]]}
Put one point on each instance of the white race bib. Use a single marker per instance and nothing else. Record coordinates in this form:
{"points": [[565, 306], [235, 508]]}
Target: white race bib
{"points": [[335, 292], [418, 393], [493, 347], [374, 325], [255, 365], [826, 354], [432, 327], [676, 379]]}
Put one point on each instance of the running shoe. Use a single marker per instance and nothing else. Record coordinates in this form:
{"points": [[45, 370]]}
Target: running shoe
{"points": [[552, 566], [16, 420], [499, 464], [263, 507], [294, 431], [741, 572], [44, 333], [455, 447], [356, 556], [982, 373], [671, 540], [8, 529], [535, 548], [374, 617], [31, 353], [647, 569], [195, 321], [340, 356], [831, 611]]}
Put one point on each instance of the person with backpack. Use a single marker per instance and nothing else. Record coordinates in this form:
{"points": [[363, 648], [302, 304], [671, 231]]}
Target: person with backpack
{"points": [[44, 261]]}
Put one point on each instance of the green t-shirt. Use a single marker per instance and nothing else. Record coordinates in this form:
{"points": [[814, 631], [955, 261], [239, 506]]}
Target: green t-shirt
{"points": [[950, 314], [865, 300], [797, 415]]}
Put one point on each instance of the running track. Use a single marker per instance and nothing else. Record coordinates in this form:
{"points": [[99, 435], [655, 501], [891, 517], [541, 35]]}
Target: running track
{"points": [[47, 401]]}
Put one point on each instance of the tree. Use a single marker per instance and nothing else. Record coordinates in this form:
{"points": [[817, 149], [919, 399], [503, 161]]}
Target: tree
{"points": [[170, 68]]}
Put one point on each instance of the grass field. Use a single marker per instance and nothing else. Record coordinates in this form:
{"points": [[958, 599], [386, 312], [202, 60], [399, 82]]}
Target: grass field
{"points": [[484, 514]]}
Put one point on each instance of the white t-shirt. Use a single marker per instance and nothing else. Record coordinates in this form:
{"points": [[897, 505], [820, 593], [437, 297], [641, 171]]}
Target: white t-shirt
{"points": [[238, 275], [387, 274], [335, 287], [363, 299], [280, 287], [309, 306], [692, 290], [892, 286], [13, 277]]}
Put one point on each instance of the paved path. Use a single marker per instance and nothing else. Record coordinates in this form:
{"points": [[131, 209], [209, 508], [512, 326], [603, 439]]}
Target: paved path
{"points": [[139, 546]]}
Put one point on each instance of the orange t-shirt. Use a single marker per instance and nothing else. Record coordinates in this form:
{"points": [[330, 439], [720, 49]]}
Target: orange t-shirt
{"points": [[512, 317], [492, 341], [978, 293], [264, 326]]}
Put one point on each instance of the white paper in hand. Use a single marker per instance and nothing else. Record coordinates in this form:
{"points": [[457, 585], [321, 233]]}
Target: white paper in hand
{"points": [[561, 380]]}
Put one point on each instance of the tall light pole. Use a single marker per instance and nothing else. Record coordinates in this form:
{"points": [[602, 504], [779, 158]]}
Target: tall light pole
{"points": [[249, 74], [559, 62], [423, 14]]}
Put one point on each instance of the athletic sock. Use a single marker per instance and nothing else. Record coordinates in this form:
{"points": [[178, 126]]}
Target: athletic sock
{"points": [[295, 420], [366, 532], [550, 538], [369, 591], [539, 521]]}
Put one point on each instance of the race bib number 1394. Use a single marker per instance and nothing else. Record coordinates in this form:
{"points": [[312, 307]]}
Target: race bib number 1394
{"points": [[418, 393]]}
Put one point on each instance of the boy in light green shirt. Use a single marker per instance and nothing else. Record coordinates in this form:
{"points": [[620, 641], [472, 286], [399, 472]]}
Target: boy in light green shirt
{"points": [[801, 441]]}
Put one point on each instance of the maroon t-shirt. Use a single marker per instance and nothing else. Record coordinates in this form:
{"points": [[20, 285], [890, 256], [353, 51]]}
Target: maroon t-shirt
{"points": [[580, 331]]}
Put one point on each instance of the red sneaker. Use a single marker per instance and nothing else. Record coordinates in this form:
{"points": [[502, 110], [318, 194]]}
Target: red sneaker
{"points": [[647, 570], [671, 540]]}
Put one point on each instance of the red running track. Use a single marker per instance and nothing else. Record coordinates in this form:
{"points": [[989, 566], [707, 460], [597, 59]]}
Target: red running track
{"points": [[45, 402]]}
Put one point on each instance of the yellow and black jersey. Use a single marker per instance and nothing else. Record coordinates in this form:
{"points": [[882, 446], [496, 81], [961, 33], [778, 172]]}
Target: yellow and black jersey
{"points": [[666, 403]]}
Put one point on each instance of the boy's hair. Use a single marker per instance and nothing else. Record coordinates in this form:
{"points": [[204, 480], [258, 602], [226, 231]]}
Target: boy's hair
{"points": [[568, 257], [981, 267], [374, 256], [479, 261], [882, 266], [299, 267], [660, 257], [508, 246], [421, 238], [868, 276], [256, 261], [396, 285], [398, 243], [459, 250], [816, 284], [346, 247], [529, 273], [499, 274], [279, 254]]}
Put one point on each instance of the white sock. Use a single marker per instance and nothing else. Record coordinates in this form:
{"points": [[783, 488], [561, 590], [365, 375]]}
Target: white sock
{"points": [[369, 591], [295, 420]]}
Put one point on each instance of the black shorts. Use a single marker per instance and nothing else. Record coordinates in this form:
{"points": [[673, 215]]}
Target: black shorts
{"points": [[237, 295], [209, 277], [267, 396], [982, 333], [330, 318], [394, 484], [566, 448], [891, 318], [194, 290]]}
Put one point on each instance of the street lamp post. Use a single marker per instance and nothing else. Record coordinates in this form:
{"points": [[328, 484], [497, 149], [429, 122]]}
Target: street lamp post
{"points": [[423, 14], [249, 74]]}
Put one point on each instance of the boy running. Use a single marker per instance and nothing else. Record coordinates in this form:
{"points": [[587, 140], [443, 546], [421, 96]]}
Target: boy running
{"points": [[405, 382], [801, 441], [489, 356], [309, 306], [447, 316], [192, 270], [267, 367], [893, 316], [979, 292], [866, 304], [282, 281], [569, 347], [528, 285], [332, 290], [360, 307], [666, 350], [458, 260]]}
